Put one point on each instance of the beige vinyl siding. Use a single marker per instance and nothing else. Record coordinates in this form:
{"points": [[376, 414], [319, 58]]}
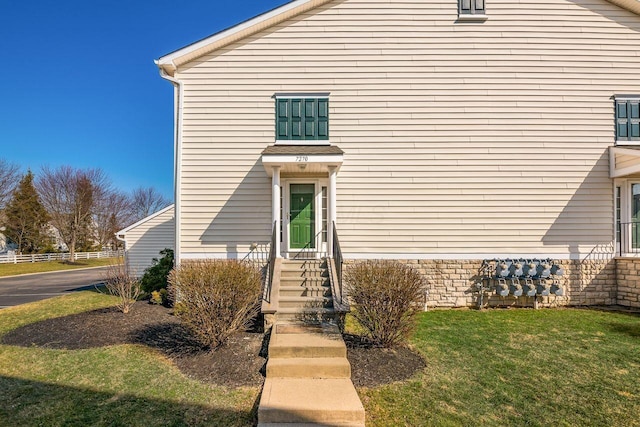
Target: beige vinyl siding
{"points": [[145, 240], [459, 138]]}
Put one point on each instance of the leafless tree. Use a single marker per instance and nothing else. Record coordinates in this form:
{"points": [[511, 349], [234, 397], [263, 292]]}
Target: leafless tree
{"points": [[145, 201], [124, 285], [112, 212], [69, 196], [9, 177]]}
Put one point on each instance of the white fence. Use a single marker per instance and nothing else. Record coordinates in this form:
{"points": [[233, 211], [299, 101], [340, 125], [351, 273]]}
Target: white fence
{"points": [[15, 259]]}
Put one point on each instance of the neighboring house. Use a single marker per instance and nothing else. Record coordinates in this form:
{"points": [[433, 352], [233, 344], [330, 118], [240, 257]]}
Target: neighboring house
{"points": [[56, 242], [3, 243], [56, 237], [144, 240], [438, 133]]}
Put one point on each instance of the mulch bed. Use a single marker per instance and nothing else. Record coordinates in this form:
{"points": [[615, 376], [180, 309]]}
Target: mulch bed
{"points": [[372, 366], [239, 363]]}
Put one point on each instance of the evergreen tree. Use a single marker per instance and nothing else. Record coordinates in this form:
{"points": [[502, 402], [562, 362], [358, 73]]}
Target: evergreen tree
{"points": [[25, 219]]}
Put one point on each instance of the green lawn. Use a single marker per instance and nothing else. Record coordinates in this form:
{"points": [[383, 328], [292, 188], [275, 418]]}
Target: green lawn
{"points": [[41, 267], [560, 367], [493, 367], [123, 385]]}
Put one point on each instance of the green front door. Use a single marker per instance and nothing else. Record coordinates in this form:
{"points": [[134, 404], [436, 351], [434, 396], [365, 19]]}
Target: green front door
{"points": [[635, 216], [302, 225]]}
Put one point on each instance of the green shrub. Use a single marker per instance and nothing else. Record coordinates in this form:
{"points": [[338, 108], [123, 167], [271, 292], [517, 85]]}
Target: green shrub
{"points": [[216, 297], [385, 298], [155, 277]]}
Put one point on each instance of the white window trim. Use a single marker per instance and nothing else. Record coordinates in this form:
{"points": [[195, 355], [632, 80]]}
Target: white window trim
{"points": [[302, 142], [472, 17], [625, 216], [302, 95]]}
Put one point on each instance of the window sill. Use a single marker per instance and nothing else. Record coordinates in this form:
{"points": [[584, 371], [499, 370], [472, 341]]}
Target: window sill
{"points": [[623, 143], [472, 18], [302, 142]]}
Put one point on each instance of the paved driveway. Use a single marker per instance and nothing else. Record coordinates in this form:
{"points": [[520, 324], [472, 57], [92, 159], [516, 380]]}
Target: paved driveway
{"points": [[33, 287]]}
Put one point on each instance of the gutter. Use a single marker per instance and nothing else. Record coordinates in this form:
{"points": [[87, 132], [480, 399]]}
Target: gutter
{"points": [[177, 155]]}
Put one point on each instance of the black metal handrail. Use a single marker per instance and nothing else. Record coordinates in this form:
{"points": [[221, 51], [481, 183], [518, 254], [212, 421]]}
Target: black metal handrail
{"points": [[337, 259], [266, 295], [305, 250], [628, 237]]}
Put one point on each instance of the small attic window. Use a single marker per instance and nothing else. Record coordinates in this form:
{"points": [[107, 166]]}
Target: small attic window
{"points": [[472, 10]]}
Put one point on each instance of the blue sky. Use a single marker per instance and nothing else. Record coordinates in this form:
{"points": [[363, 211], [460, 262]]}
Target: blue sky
{"points": [[79, 87]]}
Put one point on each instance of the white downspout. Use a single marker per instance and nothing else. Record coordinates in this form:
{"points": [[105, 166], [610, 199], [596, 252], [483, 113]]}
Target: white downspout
{"points": [[177, 155]]}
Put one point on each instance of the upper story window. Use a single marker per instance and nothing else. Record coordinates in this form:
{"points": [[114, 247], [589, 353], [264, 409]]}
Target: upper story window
{"points": [[471, 10], [302, 117], [627, 119]]}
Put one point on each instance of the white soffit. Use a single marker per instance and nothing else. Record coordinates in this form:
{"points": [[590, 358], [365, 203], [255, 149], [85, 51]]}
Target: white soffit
{"points": [[631, 5], [614, 170]]}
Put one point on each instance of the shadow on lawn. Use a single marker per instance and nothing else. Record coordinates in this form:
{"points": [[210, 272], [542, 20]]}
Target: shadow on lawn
{"points": [[169, 338], [27, 403], [633, 330]]}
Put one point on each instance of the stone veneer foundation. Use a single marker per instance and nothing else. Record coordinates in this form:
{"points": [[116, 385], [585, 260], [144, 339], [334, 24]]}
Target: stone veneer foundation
{"points": [[628, 280], [451, 283]]}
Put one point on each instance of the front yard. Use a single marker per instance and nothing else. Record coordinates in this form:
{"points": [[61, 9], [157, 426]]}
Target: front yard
{"points": [[495, 367], [127, 384], [518, 367]]}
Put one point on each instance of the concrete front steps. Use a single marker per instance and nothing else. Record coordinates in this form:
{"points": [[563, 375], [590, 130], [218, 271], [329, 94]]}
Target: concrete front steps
{"points": [[304, 291], [308, 381]]}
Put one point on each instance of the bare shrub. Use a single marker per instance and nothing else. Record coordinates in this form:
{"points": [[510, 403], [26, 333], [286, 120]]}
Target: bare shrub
{"points": [[122, 284], [216, 298], [385, 298]]}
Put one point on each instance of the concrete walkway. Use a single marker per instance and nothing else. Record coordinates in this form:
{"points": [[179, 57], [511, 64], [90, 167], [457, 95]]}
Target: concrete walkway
{"points": [[308, 380]]}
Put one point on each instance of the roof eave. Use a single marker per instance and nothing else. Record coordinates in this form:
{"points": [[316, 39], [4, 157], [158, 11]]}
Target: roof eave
{"points": [[168, 67], [143, 220], [172, 61]]}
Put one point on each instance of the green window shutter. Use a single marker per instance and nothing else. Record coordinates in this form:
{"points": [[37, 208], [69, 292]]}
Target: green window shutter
{"points": [[296, 119], [622, 121], [302, 119], [309, 119], [322, 119], [634, 120], [628, 120], [282, 119], [471, 7]]}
